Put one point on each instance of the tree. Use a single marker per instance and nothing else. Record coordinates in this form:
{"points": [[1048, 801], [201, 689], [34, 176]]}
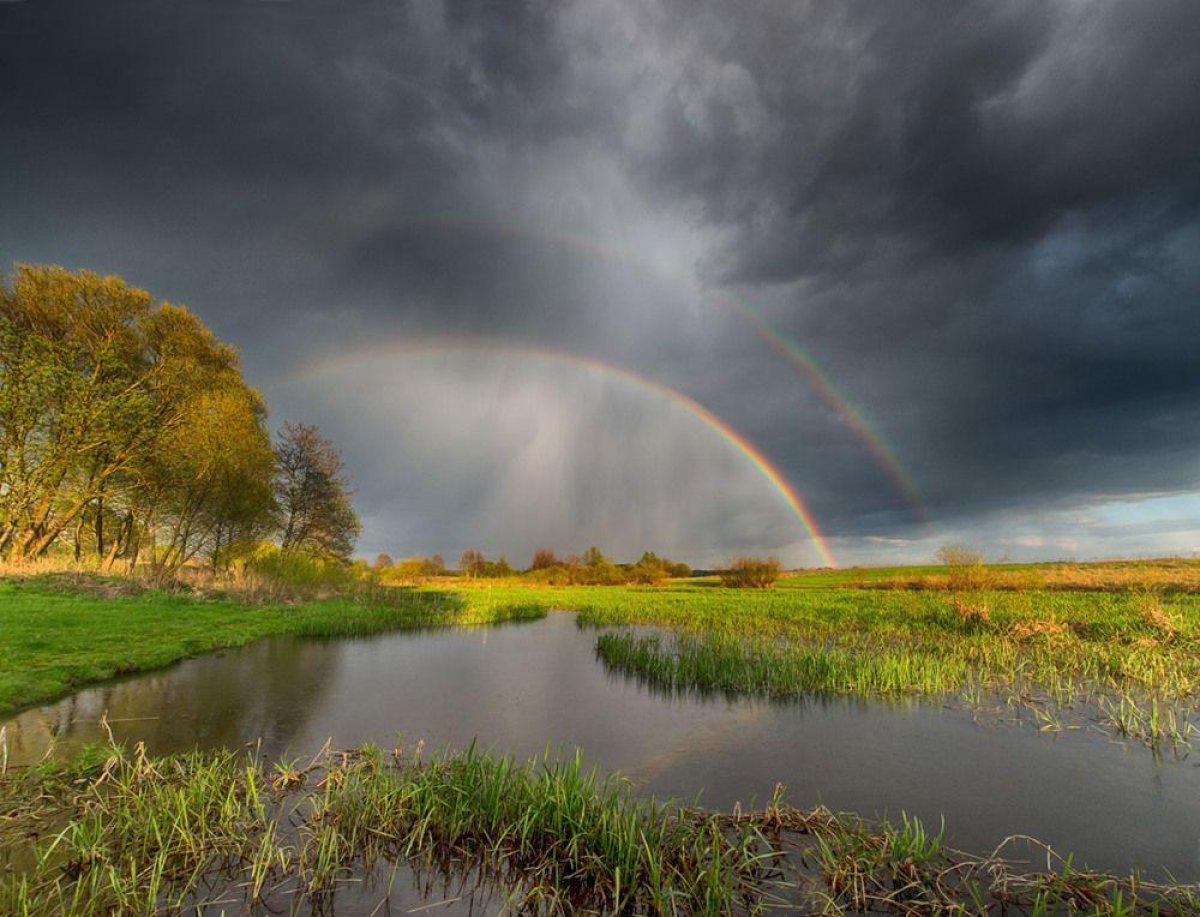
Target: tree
{"points": [[313, 492], [471, 562], [544, 559], [207, 487], [93, 376], [383, 561]]}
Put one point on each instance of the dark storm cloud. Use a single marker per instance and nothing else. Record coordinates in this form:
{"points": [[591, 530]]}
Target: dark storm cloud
{"points": [[982, 219]]}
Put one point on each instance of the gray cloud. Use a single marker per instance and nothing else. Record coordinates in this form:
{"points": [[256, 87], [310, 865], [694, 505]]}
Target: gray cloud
{"points": [[982, 221]]}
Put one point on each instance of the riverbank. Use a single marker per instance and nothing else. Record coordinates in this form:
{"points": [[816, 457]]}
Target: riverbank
{"points": [[60, 634]]}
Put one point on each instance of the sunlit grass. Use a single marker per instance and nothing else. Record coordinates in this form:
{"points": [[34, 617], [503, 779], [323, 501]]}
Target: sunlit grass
{"points": [[1127, 659], [57, 638]]}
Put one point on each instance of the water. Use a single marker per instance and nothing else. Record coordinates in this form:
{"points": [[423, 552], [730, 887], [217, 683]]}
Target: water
{"points": [[521, 688]]}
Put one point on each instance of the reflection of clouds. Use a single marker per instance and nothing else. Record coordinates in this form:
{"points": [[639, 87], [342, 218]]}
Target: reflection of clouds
{"points": [[264, 690], [512, 451]]}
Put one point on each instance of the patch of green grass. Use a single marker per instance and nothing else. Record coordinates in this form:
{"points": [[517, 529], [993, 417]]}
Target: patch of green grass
{"points": [[55, 639], [1128, 659]]}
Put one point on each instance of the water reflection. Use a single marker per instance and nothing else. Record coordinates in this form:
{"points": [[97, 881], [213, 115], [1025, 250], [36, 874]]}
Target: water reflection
{"points": [[266, 690], [524, 687]]}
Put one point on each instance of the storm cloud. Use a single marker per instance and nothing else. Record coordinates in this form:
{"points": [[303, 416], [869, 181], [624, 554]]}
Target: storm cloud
{"points": [[978, 223]]}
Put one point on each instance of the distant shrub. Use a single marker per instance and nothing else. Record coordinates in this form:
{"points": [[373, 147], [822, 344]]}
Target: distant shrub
{"points": [[652, 570], [751, 573], [965, 566], [544, 559], [1155, 617], [972, 614]]}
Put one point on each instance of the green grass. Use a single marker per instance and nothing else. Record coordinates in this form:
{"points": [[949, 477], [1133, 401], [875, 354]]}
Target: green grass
{"points": [[122, 833], [56, 639], [1128, 659], [1130, 656]]}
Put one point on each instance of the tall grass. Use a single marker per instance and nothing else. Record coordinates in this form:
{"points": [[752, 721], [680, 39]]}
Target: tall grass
{"points": [[213, 832]]}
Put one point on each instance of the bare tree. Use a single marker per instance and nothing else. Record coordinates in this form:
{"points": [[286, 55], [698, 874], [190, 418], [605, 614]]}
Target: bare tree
{"points": [[313, 492]]}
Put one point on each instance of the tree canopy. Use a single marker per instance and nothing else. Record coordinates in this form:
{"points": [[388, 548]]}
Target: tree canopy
{"points": [[128, 430]]}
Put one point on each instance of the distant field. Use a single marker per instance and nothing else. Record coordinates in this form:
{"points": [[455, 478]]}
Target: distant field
{"points": [[1117, 644]]}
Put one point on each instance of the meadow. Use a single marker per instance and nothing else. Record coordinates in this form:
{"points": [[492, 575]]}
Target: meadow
{"points": [[1112, 645], [63, 632]]}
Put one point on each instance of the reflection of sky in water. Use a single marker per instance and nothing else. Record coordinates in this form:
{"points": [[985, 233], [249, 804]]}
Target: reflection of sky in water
{"points": [[525, 688]]}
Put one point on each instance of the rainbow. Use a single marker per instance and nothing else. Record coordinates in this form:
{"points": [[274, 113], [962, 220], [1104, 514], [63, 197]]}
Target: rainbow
{"points": [[798, 359], [439, 345], [836, 401]]}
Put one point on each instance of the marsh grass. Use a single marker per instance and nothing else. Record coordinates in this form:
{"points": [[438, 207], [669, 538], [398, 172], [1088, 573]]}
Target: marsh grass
{"points": [[128, 834], [118, 832]]}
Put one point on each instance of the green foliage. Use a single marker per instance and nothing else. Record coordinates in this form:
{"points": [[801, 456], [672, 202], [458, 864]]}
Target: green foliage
{"points": [[127, 428], [751, 573], [95, 381], [411, 569]]}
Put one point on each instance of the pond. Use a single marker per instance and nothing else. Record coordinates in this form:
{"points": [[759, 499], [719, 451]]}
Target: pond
{"points": [[523, 688]]}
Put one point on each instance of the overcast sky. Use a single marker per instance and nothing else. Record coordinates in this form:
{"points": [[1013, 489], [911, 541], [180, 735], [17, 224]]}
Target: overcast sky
{"points": [[536, 266]]}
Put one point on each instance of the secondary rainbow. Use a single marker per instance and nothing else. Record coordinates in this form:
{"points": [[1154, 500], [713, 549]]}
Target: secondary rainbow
{"points": [[437, 345]]}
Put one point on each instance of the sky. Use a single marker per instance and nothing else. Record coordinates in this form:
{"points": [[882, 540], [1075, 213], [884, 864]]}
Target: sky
{"points": [[837, 281]]}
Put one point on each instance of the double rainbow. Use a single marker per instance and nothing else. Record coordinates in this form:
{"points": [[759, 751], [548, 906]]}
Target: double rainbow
{"points": [[444, 345]]}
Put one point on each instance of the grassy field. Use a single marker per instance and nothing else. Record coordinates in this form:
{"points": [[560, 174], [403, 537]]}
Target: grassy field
{"points": [[59, 634], [113, 831], [1117, 644]]}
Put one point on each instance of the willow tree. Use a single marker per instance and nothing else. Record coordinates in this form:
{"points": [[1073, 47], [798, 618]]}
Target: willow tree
{"points": [[96, 382]]}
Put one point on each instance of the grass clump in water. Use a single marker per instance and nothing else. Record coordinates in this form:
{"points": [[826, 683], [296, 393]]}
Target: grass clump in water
{"points": [[183, 833], [218, 831]]}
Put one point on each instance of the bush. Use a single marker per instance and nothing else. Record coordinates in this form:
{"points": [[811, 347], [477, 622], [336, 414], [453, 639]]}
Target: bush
{"points": [[751, 573], [291, 573], [966, 566]]}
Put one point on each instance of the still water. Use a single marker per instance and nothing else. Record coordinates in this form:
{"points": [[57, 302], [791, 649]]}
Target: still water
{"points": [[521, 688]]}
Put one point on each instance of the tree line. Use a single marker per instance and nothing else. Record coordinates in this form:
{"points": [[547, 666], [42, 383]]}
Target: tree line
{"points": [[591, 568], [129, 435]]}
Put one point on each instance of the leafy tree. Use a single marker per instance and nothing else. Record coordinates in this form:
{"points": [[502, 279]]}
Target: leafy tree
{"points": [[383, 561], [652, 569], [207, 488], [313, 492], [93, 376]]}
